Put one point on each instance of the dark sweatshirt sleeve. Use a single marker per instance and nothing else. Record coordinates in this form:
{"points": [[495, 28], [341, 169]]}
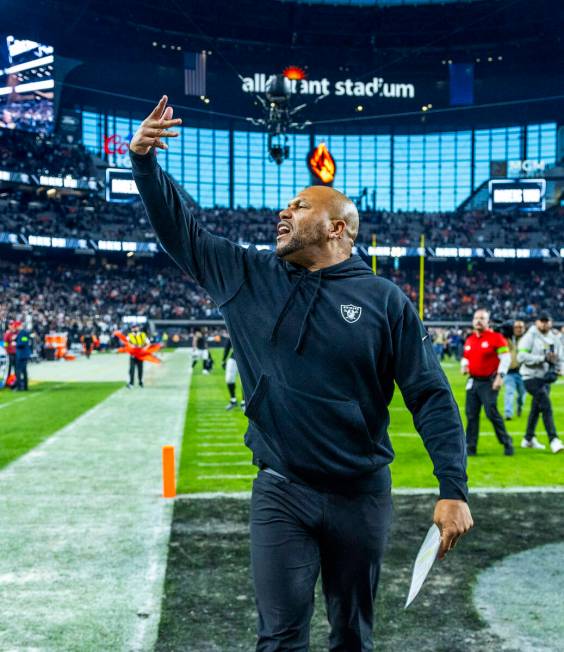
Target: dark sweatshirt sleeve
{"points": [[429, 398], [214, 262]]}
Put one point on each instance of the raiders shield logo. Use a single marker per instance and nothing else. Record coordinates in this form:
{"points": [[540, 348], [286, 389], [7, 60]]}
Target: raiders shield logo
{"points": [[351, 313]]}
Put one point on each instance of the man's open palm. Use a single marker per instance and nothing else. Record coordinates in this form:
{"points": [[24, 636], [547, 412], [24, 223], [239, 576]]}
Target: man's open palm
{"points": [[154, 129]]}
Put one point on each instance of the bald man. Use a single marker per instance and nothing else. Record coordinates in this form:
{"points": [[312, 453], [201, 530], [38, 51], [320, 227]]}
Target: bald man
{"points": [[319, 342]]}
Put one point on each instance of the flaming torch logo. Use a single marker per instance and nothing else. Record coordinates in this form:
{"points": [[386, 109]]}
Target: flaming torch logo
{"points": [[294, 72], [322, 164]]}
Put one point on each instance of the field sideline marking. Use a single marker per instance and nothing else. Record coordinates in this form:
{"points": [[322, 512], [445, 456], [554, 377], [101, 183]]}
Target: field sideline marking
{"points": [[400, 491], [96, 528]]}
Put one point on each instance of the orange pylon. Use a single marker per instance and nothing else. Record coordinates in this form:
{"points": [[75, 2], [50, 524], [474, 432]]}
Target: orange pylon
{"points": [[169, 479]]}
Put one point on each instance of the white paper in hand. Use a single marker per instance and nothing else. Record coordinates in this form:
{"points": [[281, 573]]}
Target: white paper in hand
{"points": [[423, 562]]}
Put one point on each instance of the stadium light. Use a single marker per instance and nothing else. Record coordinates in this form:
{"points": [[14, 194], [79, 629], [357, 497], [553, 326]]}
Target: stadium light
{"points": [[35, 86], [30, 64]]}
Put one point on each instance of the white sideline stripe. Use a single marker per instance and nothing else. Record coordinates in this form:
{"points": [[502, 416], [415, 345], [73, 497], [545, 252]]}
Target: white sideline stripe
{"points": [[96, 528], [400, 491]]}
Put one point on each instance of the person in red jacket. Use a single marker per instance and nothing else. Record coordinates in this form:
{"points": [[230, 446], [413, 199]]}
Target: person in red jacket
{"points": [[10, 346], [486, 359]]}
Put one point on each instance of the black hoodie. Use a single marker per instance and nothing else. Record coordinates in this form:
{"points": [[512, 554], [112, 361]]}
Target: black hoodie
{"points": [[318, 354]]}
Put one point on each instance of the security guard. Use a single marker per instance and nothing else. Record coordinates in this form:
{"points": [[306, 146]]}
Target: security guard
{"points": [[138, 339], [486, 358]]}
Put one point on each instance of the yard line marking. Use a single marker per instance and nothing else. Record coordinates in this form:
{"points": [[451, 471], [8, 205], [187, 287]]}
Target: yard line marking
{"points": [[32, 395], [215, 454], [225, 463], [486, 433], [226, 476], [211, 445]]}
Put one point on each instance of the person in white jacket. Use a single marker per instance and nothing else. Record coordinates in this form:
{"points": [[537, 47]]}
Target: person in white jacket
{"points": [[541, 355]]}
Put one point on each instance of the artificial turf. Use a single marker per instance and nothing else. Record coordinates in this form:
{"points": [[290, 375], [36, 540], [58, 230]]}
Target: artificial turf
{"points": [[214, 457], [28, 418]]}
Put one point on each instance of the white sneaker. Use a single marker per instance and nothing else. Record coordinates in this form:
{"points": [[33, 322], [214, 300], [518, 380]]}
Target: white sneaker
{"points": [[532, 443], [556, 445]]}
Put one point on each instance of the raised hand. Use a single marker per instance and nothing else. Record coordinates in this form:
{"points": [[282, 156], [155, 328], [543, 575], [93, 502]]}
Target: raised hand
{"points": [[154, 129]]}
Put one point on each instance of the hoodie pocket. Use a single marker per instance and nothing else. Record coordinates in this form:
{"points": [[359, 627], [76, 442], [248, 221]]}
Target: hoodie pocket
{"points": [[317, 438]]}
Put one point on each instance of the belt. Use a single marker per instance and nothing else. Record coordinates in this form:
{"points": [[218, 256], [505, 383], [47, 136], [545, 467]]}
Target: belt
{"points": [[483, 377]]}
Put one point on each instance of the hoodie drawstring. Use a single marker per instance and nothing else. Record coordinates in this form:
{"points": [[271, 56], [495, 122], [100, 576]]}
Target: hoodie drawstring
{"points": [[303, 327], [286, 307]]}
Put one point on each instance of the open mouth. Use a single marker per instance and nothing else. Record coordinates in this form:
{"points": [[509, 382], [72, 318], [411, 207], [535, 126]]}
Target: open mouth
{"points": [[282, 230]]}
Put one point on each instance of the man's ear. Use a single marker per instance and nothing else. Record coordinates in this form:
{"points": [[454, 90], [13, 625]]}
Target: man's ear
{"points": [[338, 229]]}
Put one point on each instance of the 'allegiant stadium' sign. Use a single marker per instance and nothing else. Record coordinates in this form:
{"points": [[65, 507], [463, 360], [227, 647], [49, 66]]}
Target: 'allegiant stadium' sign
{"points": [[376, 87]]}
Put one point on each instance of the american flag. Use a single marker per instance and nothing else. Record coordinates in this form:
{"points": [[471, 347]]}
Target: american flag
{"points": [[195, 73]]}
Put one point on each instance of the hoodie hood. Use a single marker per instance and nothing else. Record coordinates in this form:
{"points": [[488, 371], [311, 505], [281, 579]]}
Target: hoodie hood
{"points": [[353, 266]]}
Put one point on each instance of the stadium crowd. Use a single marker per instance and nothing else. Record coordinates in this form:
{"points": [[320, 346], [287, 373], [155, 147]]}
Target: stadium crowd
{"points": [[90, 216], [56, 296], [455, 295], [43, 154]]}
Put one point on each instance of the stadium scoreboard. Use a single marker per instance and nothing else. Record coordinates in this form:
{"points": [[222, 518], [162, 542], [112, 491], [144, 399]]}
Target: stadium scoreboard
{"points": [[120, 185], [521, 194]]}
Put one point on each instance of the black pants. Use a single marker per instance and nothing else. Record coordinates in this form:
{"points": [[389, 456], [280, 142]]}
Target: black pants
{"points": [[482, 393], [296, 532], [540, 391], [21, 373], [11, 364], [134, 363]]}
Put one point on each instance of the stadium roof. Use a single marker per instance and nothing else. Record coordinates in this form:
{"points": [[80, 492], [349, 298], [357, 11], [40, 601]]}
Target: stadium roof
{"points": [[355, 30], [374, 3]]}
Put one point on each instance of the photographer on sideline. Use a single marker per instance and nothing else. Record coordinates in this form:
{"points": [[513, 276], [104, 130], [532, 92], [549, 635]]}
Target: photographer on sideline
{"points": [[542, 359], [514, 381]]}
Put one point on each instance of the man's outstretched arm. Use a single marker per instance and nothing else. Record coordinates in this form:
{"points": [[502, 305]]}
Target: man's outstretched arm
{"points": [[215, 263], [429, 398]]}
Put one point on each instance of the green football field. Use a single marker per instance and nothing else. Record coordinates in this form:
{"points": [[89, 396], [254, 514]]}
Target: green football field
{"points": [[214, 457]]}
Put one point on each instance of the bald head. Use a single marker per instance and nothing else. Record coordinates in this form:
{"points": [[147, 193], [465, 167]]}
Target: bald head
{"points": [[318, 228], [337, 205]]}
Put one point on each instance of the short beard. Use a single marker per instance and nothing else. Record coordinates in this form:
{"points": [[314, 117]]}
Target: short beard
{"points": [[299, 241], [295, 243]]}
